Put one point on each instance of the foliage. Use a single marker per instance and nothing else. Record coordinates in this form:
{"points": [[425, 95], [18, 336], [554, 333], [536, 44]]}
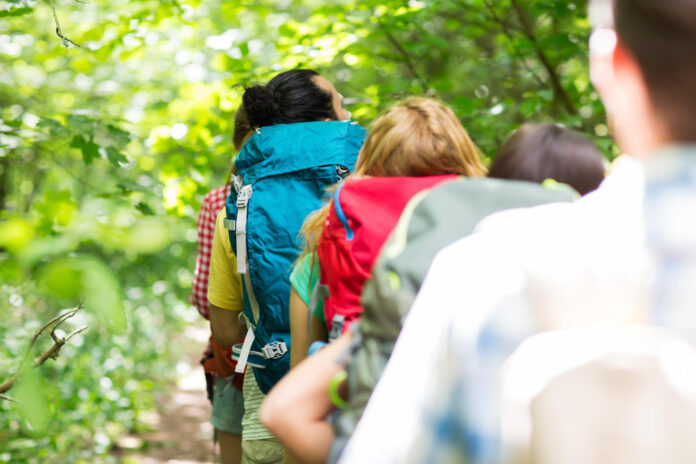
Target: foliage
{"points": [[107, 149]]}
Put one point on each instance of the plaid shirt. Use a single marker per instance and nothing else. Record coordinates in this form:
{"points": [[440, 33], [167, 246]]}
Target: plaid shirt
{"points": [[213, 202], [564, 266]]}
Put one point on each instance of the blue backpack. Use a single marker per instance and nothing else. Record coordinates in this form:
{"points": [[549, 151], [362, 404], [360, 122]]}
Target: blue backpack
{"points": [[282, 174]]}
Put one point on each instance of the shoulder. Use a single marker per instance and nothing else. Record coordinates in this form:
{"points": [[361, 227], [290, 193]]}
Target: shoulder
{"points": [[215, 199], [220, 216]]}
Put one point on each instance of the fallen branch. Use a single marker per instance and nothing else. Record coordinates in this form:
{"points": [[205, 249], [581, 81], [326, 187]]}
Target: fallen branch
{"points": [[59, 31], [50, 353]]}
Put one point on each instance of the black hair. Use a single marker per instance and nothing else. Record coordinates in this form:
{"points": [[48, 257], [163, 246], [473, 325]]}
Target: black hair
{"points": [[242, 132], [291, 96], [242, 129], [537, 152]]}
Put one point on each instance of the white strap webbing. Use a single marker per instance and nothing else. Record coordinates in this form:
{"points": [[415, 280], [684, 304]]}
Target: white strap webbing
{"points": [[241, 228], [250, 336], [255, 310], [244, 355], [240, 233], [237, 183]]}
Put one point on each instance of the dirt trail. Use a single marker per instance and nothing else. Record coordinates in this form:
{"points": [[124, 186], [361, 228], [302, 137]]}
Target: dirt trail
{"points": [[183, 434]]}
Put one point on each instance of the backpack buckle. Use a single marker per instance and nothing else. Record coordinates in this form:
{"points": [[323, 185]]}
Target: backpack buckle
{"points": [[342, 171], [274, 350], [237, 183], [243, 196], [337, 324]]}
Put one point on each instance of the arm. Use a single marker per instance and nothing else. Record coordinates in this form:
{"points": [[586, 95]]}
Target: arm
{"points": [[224, 289], [295, 410], [225, 326], [298, 329], [303, 280], [318, 331]]}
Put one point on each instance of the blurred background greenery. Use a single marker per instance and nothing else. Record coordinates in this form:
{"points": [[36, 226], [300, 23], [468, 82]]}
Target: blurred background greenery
{"points": [[107, 149]]}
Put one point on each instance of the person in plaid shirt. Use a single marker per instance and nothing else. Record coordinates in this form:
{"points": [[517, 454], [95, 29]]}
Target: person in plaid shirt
{"points": [[224, 387], [212, 203]]}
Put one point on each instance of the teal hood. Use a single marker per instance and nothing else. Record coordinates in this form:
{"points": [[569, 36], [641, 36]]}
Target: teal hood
{"points": [[285, 148]]}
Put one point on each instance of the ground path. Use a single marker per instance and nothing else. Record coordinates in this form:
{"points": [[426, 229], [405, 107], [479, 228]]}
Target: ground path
{"points": [[182, 434]]}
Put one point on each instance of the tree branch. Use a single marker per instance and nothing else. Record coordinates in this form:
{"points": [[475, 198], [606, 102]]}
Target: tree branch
{"points": [[50, 353], [505, 26], [406, 57], [8, 398], [58, 320], [553, 75], [59, 32]]}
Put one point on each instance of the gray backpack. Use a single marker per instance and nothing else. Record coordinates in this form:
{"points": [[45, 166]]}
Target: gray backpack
{"points": [[431, 221]]}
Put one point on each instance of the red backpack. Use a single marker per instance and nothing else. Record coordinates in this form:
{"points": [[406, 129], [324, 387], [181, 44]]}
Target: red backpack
{"points": [[361, 217]]}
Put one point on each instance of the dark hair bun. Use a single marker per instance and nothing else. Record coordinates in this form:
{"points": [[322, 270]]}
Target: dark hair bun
{"points": [[261, 105], [290, 97]]}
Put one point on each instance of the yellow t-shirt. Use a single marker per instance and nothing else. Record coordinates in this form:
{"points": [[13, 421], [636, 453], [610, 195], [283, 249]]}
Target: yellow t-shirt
{"points": [[225, 292], [224, 284]]}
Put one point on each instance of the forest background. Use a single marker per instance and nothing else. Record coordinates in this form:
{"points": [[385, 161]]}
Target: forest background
{"points": [[116, 119]]}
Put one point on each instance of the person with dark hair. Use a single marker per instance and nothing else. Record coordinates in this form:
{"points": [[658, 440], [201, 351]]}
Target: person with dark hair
{"points": [[300, 95], [302, 143], [537, 152], [621, 256]]}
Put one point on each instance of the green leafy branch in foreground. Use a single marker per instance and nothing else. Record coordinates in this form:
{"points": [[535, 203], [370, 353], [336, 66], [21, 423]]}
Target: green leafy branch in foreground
{"points": [[51, 353]]}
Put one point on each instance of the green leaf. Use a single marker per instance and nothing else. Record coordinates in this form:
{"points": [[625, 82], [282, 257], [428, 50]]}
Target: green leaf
{"points": [[119, 136], [115, 156], [16, 11], [529, 107], [87, 277], [63, 279], [31, 395], [81, 124], [145, 209], [15, 234], [102, 293], [90, 150], [53, 127]]}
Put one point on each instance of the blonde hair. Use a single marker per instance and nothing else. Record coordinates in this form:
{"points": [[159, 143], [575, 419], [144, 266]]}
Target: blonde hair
{"points": [[418, 137]]}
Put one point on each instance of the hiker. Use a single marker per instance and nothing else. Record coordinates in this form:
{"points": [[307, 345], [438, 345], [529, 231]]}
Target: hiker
{"points": [[537, 152], [620, 255], [302, 143], [414, 146], [388, 155], [223, 385]]}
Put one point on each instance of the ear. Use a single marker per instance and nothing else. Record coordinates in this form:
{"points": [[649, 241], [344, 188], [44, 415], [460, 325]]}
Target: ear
{"points": [[622, 59], [627, 74], [626, 97]]}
